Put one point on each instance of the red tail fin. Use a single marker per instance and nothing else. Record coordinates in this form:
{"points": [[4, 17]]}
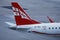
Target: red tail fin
{"points": [[51, 21], [21, 16]]}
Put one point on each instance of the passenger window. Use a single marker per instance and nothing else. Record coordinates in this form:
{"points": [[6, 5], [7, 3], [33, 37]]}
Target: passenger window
{"points": [[59, 27], [52, 27], [49, 27], [55, 27]]}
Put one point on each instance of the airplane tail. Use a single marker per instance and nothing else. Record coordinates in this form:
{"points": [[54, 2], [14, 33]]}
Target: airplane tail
{"points": [[21, 16]]}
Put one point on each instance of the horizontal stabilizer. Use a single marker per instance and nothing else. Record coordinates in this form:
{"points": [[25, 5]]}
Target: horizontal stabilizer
{"points": [[11, 24]]}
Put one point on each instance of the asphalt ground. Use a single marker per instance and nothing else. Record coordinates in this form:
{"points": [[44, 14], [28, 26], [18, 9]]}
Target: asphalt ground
{"points": [[38, 10]]}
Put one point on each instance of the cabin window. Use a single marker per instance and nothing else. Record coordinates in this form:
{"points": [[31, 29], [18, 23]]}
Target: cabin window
{"points": [[49, 27], [52, 27], [55, 27], [59, 27]]}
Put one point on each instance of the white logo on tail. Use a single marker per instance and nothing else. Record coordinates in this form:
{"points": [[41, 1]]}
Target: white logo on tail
{"points": [[18, 12]]}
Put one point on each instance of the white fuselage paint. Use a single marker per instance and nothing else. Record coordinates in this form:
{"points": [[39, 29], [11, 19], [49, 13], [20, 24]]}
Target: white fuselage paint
{"points": [[49, 28]]}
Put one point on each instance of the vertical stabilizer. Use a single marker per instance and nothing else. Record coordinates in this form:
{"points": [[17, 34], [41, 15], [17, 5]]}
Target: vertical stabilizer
{"points": [[21, 16]]}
